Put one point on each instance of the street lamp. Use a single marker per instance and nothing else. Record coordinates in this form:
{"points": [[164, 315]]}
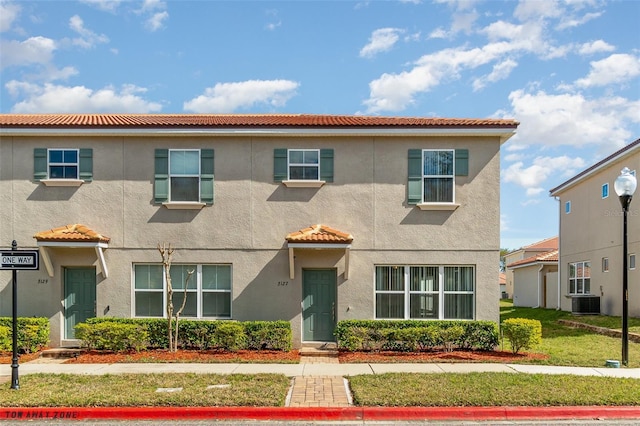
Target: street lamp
{"points": [[625, 186]]}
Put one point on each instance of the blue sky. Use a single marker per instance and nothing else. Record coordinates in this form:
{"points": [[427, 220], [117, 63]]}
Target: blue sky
{"points": [[569, 71]]}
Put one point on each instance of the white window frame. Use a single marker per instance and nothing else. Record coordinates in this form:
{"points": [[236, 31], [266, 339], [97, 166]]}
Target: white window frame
{"points": [[586, 266], [567, 207], [605, 191], [452, 176], [309, 165], [63, 164], [187, 175], [605, 264], [199, 290], [632, 261], [407, 292]]}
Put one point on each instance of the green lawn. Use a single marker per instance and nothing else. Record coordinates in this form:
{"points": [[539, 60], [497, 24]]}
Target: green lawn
{"points": [[574, 346]]}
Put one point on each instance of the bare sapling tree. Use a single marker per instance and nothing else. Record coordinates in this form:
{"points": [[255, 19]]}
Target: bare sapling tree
{"points": [[166, 251]]}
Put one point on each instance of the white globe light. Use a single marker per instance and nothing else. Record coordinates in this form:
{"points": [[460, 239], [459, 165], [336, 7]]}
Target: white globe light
{"points": [[626, 183]]}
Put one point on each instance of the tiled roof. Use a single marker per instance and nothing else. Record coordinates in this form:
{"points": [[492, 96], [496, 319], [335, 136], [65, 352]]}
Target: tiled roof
{"points": [[546, 244], [319, 234], [502, 278], [550, 257], [619, 153], [238, 120], [71, 233]]}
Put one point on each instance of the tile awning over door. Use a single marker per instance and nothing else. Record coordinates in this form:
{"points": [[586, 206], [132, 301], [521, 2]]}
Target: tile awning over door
{"points": [[318, 237], [72, 236]]}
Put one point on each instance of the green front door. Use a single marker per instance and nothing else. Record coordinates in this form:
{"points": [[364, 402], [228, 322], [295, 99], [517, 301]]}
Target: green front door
{"points": [[79, 298], [318, 305]]}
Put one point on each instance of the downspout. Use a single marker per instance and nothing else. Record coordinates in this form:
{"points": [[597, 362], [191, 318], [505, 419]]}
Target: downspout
{"points": [[558, 308], [539, 281]]}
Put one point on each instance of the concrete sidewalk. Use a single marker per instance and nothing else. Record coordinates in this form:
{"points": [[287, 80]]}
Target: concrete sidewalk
{"points": [[319, 391]]}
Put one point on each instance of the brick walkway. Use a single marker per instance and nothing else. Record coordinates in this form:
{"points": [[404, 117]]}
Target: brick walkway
{"points": [[319, 391]]}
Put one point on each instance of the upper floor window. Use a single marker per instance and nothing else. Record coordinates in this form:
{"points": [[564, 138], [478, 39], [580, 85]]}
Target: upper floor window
{"points": [[580, 278], [605, 190], [432, 176], [605, 264], [632, 261], [62, 166], [184, 177], [567, 207], [303, 167]]}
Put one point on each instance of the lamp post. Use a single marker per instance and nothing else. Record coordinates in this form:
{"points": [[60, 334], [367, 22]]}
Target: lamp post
{"points": [[625, 186]]}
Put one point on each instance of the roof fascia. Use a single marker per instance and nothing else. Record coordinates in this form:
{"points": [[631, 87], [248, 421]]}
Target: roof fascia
{"points": [[598, 167], [537, 262], [503, 133]]}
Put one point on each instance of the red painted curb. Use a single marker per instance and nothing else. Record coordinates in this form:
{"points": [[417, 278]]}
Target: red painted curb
{"points": [[321, 413]]}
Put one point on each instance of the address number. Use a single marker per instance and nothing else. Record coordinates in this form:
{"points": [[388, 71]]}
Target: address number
{"points": [[283, 283]]}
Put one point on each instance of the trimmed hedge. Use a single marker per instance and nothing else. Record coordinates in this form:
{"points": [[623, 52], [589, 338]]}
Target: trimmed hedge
{"points": [[409, 335], [523, 333], [33, 334], [112, 336], [203, 334]]}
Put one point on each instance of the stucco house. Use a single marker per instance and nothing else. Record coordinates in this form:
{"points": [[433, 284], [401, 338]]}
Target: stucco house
{"points": [[591, 239], [306, 218], [535, 275], [526, 255]]}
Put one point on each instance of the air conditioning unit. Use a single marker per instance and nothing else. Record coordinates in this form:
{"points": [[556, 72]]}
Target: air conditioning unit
{"points": [[585, 305]]}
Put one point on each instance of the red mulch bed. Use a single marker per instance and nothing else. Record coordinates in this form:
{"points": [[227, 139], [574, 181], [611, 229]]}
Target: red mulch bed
{"points": [[266, 356]]}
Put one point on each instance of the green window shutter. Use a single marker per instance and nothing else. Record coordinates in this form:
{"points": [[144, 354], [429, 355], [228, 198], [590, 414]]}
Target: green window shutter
{"points": [[462, 162], [40, 163], [86, 164], [280, 164], [161, 183], [326, 165], [414, 183], [206, 176]]}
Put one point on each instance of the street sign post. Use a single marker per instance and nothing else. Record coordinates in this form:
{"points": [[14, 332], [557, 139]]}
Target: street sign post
{"points": [[17, 260]]}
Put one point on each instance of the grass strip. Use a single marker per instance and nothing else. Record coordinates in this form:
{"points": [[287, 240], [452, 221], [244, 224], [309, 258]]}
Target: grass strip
{"points": [[139, 390], [491, 389]]}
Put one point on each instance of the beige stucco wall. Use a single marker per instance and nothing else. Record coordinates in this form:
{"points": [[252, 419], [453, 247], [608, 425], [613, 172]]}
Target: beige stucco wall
{"points": [[593, 230], [529, 290], [249, 220]]}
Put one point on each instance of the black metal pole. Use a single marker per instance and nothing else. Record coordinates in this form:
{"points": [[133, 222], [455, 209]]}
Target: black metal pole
{"points": [[625, 200], [14, 360]]}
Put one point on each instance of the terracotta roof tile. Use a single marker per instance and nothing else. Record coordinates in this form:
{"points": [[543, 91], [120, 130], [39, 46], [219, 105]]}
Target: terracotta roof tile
{"points": [[550, 256], [319, 234], [502, 278], [238, 120], [546, 244], [71, 233]]}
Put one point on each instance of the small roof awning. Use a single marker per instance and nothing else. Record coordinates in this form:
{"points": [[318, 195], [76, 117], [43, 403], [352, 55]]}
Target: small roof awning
{"points": [[72, 236], [318, 237]]}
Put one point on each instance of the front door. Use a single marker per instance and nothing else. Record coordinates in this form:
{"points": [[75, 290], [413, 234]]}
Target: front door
{"points": [[318, 305], [79, 298]]}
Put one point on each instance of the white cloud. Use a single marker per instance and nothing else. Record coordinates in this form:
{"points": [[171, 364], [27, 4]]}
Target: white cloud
{"points": [[514, 157], [381, 40], [88, 38], [572, 119], [105, 5], [438, 33], [156, 21], [617, 68], [151, 5], [500, 71], [229, 97], [50, 98], [34, 50], [8, 13], [595, 47], [532, 177], [571, 22]]}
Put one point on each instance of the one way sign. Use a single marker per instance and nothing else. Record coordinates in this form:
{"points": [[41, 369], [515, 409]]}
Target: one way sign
{"points": [[19, 259]]}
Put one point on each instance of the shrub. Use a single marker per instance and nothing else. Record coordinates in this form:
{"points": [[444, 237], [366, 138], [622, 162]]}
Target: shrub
{"points": [[450, 336], [33, 333], [5, 338], [113, 336], [522, 333], [230, 336], [275, 335]]}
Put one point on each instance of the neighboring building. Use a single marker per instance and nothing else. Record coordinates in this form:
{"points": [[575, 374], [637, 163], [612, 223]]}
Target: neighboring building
{"points": [[502, 280], [306, 218], [535, 280], [591, 236], [525, 253]]}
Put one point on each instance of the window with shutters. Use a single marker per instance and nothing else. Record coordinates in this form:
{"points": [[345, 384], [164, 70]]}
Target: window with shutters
{"points": [[432, 177], [184, 178], [303, 167], [63, 166]]}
